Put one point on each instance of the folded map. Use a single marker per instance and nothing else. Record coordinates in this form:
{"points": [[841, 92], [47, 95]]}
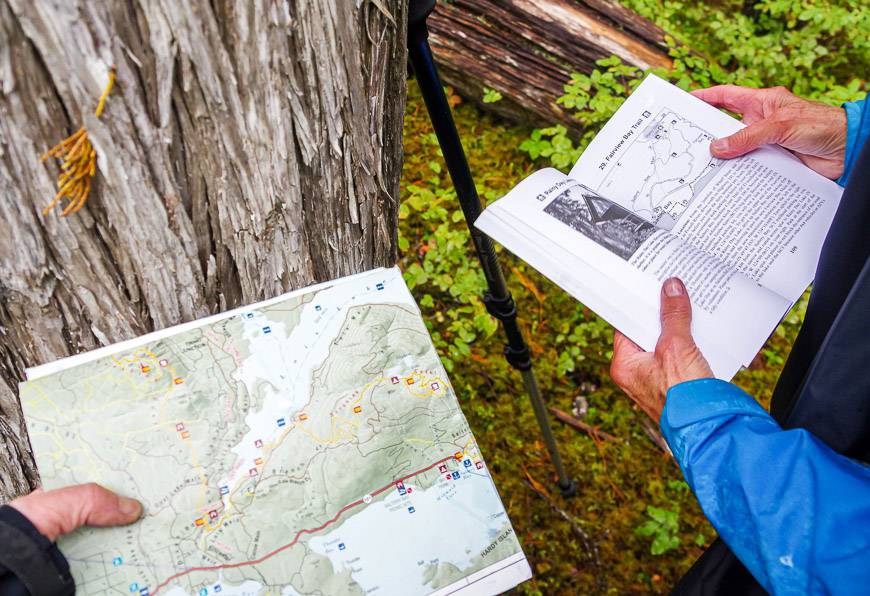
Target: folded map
{"points": [[308, 444]]}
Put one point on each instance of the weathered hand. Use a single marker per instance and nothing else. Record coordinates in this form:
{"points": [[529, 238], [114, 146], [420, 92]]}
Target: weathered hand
{"points": [[647, 376], [60, 511], [814, 132]]}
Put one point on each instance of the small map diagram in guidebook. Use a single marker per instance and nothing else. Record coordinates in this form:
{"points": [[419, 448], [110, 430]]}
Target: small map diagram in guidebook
{"points": [[671, 159]]}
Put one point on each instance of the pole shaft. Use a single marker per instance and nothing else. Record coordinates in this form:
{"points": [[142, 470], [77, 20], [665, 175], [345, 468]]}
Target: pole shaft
{"points": [[498, 300], [454, 156], [540, 408]]}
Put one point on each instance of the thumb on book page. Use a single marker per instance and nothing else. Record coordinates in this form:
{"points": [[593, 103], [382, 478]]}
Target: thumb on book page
{"points": [[745, 140], [676, 309]]}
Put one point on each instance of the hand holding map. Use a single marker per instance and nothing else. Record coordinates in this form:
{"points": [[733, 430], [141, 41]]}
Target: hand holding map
{"points": [[307, 443], [57, 512]]}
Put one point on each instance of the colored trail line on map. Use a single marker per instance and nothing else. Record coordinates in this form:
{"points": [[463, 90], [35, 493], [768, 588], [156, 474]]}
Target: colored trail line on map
{"points": [[299, 534]]}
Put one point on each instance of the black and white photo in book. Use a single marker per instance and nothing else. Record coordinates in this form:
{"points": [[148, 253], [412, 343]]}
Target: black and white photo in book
{"points": [[609, 224]]}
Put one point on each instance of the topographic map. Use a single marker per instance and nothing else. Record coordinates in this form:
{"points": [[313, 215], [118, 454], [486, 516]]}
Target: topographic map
{"points": [[671, 161], [310, 444]]}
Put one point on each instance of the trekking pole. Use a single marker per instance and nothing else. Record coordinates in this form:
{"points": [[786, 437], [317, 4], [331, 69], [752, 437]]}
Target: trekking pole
{"points": [[498, 300]]}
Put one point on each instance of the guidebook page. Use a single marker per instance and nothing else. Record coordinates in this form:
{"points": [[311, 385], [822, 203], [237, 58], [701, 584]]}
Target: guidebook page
{"points": [[630, 314], [764, 214], [732, 314]]}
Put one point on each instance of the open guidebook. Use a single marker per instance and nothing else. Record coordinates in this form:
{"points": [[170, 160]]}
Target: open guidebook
{"points": [[647, 201]]}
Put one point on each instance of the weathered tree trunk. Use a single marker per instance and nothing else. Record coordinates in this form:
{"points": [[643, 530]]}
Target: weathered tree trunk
{"points": [[527, 49], [248, 148]]}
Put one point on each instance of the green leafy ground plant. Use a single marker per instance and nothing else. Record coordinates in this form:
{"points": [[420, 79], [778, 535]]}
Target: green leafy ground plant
{"points": [[807, 46], [662, 526]]}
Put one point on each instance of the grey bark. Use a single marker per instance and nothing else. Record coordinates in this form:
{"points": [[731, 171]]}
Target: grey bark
{"points": [[248, 148]]}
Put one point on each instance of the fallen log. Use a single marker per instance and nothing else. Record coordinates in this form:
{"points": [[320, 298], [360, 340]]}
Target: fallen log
{"points": [[526, 50]]}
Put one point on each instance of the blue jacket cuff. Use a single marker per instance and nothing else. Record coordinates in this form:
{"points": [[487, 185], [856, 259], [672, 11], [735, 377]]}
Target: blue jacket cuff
{"points": [[856, 135], [692, 402]]}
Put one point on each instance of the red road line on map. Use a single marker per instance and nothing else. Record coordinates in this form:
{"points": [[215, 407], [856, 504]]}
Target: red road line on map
{"points": [[300, 532]]}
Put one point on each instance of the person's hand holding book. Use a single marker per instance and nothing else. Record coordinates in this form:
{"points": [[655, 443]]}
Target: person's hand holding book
{"points": [[813, 131], [647, 376], [648, 201]]}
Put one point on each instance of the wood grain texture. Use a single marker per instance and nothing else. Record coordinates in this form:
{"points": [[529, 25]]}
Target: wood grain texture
{"points": [[527, 49], [247, 149]]}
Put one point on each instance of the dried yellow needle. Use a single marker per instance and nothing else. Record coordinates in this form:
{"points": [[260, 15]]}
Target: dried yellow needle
{"points": [[79, 162]]}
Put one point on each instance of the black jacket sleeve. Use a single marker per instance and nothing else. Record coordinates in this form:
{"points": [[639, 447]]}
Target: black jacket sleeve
{"points": [[30, 565]]}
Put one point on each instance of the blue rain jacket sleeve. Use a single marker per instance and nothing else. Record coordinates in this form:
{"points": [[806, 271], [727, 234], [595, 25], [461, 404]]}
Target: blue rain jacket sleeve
{"points": [[794, 511], [857, 131]]}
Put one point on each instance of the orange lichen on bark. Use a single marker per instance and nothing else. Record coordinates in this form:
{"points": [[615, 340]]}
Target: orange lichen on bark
{"points": [[79, 162]]}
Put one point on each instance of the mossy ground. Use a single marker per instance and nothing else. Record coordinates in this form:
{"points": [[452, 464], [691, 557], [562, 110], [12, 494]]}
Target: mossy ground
{"points": [[617, 479]]}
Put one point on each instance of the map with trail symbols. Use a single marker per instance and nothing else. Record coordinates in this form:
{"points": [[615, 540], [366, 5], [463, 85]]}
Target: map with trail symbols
{"points": [[671, 157], [309, 444]]}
